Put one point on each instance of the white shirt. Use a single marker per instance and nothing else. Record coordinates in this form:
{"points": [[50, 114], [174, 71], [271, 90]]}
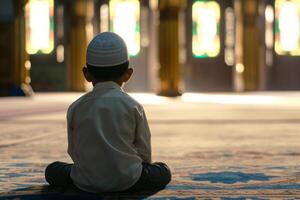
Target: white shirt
{"points": [[108, 139]]}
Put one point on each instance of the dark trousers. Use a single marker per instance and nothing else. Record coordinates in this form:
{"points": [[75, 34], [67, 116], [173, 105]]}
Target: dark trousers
{"points": [[154, 176]]}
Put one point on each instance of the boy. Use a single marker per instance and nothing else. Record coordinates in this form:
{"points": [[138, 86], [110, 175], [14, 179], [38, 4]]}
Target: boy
{"points": [[108, 133]]}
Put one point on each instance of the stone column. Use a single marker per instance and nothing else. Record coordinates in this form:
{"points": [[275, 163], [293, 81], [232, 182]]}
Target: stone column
{"points": [[168, 34], [251, 45], [14, 64], [79, 12]]}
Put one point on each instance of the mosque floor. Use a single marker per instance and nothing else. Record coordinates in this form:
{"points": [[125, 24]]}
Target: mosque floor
{"points": [[218, 146]]}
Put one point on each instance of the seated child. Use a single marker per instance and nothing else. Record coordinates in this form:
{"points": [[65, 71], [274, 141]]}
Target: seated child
{"points": [[108, 133]]}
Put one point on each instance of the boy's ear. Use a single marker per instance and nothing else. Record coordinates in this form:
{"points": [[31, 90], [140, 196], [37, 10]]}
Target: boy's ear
{"points": [[87, 74], [127, 74]]}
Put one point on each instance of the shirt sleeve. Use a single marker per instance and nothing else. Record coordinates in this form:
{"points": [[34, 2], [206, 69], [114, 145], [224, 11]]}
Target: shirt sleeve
{"points": [[70, 132], [143, 135]]}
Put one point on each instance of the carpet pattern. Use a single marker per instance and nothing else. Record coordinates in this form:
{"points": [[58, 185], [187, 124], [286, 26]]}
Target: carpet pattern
{"points": [[215, 151]]}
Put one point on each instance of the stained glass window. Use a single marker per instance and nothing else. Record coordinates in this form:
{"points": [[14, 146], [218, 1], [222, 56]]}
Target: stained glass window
{"points": [[125, 21], [205, 29], [287, 27], [39, 26]]}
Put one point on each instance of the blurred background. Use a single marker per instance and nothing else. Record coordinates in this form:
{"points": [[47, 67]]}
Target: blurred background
{"points": [[226, 59], [175, 46]]}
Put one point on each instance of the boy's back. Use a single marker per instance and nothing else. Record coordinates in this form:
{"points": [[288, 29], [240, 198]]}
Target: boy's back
{"points": [[109, 138], [108, 133]]}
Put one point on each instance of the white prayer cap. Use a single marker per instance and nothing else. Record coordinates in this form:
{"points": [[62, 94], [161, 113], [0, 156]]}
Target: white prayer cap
{"points": [[106, 49]]}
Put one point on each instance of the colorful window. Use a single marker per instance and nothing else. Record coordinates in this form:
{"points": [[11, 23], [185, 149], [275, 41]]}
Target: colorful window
{"points": [[125, 21], [287, 27], [206, 29], [39, 26]]}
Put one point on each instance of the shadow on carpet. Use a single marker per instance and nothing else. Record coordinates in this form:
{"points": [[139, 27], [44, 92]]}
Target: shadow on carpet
{"points": [[49, 192]]}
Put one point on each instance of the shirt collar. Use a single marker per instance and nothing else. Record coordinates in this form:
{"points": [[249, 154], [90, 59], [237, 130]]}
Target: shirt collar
{"points": [[107, 85]]}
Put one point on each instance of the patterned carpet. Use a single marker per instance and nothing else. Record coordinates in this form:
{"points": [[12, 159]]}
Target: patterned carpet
{"points": [[216, 150]]}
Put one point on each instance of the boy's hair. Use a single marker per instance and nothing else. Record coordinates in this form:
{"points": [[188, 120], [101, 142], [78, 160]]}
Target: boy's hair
{"points": [[107, 73]]}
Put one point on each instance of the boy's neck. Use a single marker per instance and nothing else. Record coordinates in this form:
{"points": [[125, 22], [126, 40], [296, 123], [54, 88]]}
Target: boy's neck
{"points": [[119, 82]]}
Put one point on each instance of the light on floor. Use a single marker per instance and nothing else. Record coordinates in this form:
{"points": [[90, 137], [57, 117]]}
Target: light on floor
{"points": [[228, 99]]}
